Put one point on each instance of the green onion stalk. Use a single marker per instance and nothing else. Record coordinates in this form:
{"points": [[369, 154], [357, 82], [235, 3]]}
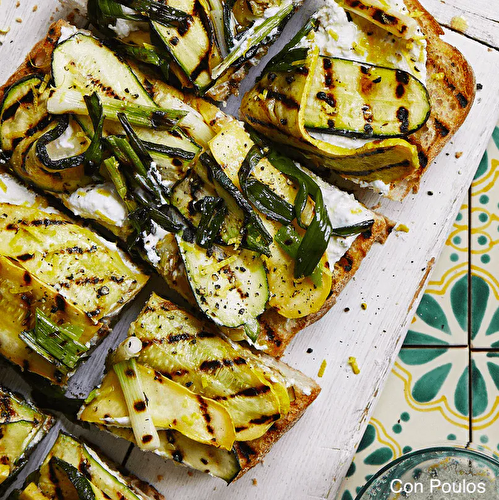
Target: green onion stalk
{"points": [[57, 344], [62, 101]]}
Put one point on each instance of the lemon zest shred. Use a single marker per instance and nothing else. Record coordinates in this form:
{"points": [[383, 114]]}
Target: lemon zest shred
{"points": [[352, 361], [214, 268], [322, 369]]}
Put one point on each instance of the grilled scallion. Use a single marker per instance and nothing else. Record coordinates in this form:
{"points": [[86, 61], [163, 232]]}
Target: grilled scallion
{"points": [[259, 194], [256, 236], [213, 212], [146, 434], [319, 231], [289, 240], [353, 229], [113, 169], [71, 101], [159, 12], [253, 37], [58, 344], [94, 153], [290, 57]]}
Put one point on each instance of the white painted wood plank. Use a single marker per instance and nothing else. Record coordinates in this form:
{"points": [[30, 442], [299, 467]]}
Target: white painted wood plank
{"points": [[312, 459], [482, 17]]}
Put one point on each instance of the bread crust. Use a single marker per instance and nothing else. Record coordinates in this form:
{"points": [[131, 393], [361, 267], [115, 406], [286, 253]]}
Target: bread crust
{"points": [[250, 453], [451, 98]]}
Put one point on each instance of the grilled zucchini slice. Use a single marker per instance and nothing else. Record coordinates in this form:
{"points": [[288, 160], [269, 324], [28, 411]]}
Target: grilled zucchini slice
{"points": [[53, 158], [72, 467], [23, 112], [276, 107], [83, 63], [69, 258], [175, 446], [172, 406], [210, 366], [22, 427], [361, 100], [230, 286]]}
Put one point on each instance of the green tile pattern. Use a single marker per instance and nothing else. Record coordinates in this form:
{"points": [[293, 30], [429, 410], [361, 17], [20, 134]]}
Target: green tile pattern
{"points": [[444, 388]]}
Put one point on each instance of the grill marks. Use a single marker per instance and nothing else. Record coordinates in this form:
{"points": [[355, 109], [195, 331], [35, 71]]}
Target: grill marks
{"points": [[251, 392], [6, 410], [442, 129], [287, 101], [12, 110], [403, 80]]}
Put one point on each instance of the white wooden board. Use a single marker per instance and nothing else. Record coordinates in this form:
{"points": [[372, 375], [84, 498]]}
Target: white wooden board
{"points": [[311, 460]]}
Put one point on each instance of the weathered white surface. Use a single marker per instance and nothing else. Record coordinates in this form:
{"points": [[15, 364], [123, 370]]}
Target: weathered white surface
{"points": [[482, 17], [311, 460]]}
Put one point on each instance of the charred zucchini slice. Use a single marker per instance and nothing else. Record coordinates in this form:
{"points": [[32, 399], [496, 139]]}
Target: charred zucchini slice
{"points": [[182, 450], [22, 427], [171, 405], [23, 112], [73, 468], [361, 100], [210, 366], [83, 63], [86, 269], [189, 46], [230, 286], [53, 159]]}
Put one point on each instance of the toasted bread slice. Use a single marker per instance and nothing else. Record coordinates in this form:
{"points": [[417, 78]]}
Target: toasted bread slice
{"points": [[275, 106], [173, 338]]}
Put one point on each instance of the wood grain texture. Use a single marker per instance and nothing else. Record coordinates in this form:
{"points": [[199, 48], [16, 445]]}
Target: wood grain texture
{"points": [[311, 460], [482, 17]]}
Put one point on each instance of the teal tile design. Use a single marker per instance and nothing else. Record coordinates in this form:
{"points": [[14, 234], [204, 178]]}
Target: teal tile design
{"points": [[485, 422], [414, 411], [442, 316], [444, 388], [485, 249]]}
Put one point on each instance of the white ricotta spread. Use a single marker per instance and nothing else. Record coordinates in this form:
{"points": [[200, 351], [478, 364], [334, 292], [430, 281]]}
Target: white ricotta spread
{"points": [[124, 27], [68, 144], [151, 241], [378, 186], [13, 192], [98, 201], [69, 31], [343, 210]]}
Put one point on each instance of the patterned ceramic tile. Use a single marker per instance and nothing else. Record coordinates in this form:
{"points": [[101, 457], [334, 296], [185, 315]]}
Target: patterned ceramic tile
{"points": [[425, 402], [442, 316], [485, 249], [426, 399], [485, 422]]}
